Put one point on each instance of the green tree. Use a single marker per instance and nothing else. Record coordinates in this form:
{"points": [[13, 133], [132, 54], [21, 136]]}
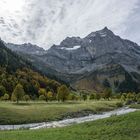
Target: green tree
{"points": [[62, 93], [2, 90], [18, 92]]}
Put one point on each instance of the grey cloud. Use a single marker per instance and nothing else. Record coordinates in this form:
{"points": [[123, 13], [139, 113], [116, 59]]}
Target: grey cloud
{"points": [[46, 22]]}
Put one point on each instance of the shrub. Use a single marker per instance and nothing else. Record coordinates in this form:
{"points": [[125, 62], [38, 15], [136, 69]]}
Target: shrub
{"points": [[92, 96], [42, 97], [97, 96], [123, 98], [138, 101], [84, 97], [119, 104], [26, 97], [128, 102], [6, 97]]}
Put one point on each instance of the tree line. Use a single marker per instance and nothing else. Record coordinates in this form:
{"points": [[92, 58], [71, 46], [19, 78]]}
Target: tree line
{"points": [[25, 84], [28, 82]]}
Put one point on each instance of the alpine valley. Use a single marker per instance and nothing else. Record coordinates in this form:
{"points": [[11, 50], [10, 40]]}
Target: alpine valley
{"points": [[99, 60]]}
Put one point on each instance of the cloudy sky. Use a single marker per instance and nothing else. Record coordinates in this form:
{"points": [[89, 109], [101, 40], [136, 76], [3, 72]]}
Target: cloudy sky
{"points": [[47, 22]]}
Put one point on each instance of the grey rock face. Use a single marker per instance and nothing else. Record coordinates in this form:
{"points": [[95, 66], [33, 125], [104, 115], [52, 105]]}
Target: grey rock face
{"points": [[100, 55], [97, 49]]}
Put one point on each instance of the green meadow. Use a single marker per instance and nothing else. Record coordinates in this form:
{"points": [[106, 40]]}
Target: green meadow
{"points": [[125, 127], [12, 113]]}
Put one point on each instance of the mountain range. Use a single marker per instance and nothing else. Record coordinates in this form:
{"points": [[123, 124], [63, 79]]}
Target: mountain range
{"points": [[99, 60]]}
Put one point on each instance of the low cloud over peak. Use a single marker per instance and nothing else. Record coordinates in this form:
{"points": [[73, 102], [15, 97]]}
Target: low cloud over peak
{"points": [[48, 22]]}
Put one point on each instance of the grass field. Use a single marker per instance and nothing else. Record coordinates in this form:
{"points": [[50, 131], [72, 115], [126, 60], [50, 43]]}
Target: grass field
{"points": [[137, 106], [11, 113], [125, 127]]}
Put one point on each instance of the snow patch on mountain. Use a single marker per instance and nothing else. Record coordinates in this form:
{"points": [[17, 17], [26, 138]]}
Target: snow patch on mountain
{"points": [[72, 48]]}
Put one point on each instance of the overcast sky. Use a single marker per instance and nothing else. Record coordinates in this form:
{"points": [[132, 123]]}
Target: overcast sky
{"points": [[47, 22]]}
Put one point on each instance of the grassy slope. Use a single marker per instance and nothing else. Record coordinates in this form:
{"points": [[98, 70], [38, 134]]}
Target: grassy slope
{"points": [[125, 127], [40, 111]]}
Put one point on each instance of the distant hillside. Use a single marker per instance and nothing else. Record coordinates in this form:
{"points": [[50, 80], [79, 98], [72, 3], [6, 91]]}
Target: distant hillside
{"points": [[11, 60], [15, 69]]}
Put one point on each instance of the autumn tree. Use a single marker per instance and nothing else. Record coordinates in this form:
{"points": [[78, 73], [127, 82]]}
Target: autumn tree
{"points": [[18, 93], [43, 92], [49, 95], [62, 93]]}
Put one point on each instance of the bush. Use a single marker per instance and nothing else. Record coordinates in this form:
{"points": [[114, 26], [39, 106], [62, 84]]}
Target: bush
{"points": [[92, 96], [138, 101], [119, 104], [128, 102], [138, 98], [42, 97], [97, 96], [107, 93], [6, 97], [131, 96], [26, 98], [123, 98], [72, 97], [84, 97]]}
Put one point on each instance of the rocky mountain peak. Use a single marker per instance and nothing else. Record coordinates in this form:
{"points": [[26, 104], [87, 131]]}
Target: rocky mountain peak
{"points": [[84, 62], [101, 33], [70, 42]]}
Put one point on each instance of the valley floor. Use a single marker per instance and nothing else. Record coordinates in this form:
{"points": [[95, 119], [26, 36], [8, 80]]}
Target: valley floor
{"points": [[125, 127], [11, 113]]}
